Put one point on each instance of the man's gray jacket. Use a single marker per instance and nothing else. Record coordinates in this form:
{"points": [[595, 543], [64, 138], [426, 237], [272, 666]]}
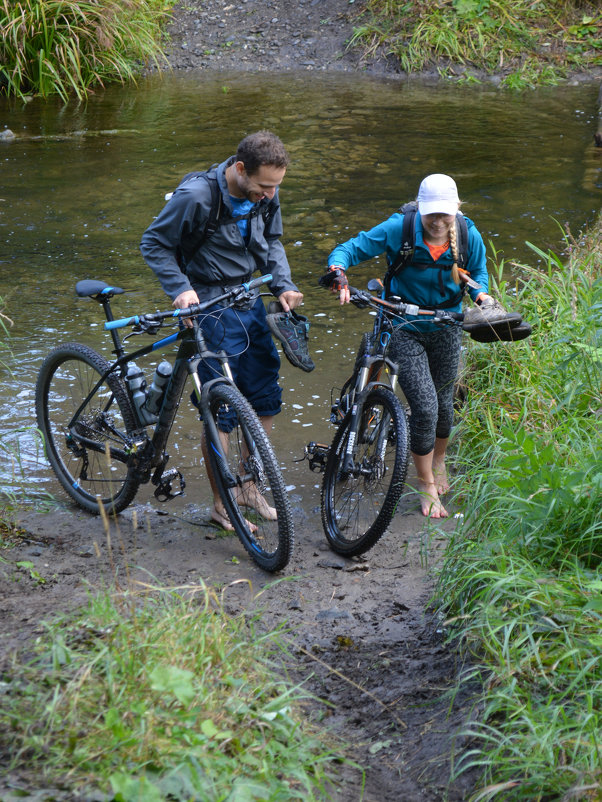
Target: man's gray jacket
{"points": [[222, 261]]}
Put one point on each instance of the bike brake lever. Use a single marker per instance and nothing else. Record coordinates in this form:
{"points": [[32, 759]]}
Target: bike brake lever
{"points": [[240, 297], [146, 326]]}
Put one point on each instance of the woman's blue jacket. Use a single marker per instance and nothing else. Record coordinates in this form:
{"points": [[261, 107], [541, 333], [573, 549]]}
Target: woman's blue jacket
{"points": [[423, 282]]}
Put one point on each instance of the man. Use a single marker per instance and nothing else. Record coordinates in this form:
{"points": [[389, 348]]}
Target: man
{"points": [[190, 273]]}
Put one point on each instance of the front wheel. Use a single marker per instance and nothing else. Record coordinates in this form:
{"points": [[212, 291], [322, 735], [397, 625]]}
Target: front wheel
{"points": [[89, 453], [255, 498], [359, 499]]}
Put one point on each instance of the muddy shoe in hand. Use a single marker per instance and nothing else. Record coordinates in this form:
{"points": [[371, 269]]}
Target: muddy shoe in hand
{"points": [[292, 330], [490, 315], [486, 334]]}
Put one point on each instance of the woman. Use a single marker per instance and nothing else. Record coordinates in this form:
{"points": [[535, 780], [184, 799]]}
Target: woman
{"points": [[428, 355]]}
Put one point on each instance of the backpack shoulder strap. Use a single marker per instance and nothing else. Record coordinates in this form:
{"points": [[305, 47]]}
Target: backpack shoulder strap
{"points": [[462, 231], [186, 252], [408, 238], [268, 213]]}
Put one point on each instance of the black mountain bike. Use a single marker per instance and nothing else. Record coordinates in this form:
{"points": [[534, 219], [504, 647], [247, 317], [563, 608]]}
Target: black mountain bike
{"points": [[106, 432], [365, 467]]}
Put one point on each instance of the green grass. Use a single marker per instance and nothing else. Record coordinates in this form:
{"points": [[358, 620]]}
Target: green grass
{"points": [[521, 584], [527, 43], [67, 47], [163, 695]]}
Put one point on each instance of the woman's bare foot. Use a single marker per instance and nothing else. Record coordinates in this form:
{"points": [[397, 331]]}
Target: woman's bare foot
{"points": [[430, 503], [440, 475], [249, 496], [220, 517]]}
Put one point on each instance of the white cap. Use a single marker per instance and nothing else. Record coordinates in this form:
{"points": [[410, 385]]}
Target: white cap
{"points": [[438, 194]]}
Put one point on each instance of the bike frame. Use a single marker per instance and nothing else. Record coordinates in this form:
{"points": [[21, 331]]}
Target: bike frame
{"points": [[367, 374], [149, 452]]}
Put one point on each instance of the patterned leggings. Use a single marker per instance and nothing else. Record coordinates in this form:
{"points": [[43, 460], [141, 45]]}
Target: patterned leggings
{"points": [[428, 366]]}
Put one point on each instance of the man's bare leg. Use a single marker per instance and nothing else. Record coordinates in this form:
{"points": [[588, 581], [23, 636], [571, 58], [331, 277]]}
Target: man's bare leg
{"points": [[247, 496]]}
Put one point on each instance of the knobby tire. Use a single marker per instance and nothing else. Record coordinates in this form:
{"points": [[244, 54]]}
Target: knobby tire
{"points": [[358, 508], [270, 546], [91, 477]]}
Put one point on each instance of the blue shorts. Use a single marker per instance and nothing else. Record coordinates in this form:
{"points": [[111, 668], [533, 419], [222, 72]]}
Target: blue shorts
{"points": [[244, 335]]}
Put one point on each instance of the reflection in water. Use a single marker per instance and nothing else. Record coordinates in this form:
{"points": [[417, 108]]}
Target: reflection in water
{"points": [[82, 182]]}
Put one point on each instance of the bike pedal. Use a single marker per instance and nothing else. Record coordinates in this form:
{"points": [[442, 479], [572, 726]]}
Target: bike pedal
{"points": [[317, 454], [164, 490]]}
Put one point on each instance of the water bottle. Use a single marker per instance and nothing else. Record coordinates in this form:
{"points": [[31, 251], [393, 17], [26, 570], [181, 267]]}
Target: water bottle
{"points": [[156, 391], [137, 384]]}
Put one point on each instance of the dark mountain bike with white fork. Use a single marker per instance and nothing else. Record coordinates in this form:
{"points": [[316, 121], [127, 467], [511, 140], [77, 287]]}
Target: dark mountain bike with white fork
{"points": [[365, 466], [106, 432]]}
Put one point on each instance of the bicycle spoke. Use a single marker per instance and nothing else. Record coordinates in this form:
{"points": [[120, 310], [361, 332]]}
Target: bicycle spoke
{"points": [[83, 456], [359, 503]]}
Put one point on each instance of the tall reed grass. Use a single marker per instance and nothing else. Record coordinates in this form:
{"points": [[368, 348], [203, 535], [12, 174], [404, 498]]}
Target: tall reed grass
{"points": [[521, 583], [67, 47]]}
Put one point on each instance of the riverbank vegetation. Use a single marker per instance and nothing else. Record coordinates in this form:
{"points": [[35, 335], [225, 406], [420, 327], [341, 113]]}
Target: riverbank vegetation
{"points": [[160, 694], [526, 43], [67, 47], [522, 579]]}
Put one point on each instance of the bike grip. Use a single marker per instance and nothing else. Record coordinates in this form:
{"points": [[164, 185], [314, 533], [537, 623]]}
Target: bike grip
{"points": [[124, 321], [256, 282]]}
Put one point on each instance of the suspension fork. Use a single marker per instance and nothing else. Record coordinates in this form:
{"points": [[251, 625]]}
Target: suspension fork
{"points": [[347, 465]]}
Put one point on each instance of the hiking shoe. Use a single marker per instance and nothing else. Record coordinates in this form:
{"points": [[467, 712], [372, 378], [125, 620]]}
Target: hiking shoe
{"points": [[490, 315], [507, 334], [292, 330]]}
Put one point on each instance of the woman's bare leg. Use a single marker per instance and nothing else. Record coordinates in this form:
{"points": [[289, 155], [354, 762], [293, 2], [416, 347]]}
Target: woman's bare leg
{"points": [[439, 468], [430, 503]]}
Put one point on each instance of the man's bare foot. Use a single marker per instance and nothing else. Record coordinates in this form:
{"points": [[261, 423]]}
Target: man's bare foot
{"points": [[430, 503], [249, 496], [441, 480], [220, 517]]}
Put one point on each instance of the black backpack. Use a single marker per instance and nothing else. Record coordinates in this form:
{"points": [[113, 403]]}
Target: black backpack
{"points": [[218, 215], [408, 239]]}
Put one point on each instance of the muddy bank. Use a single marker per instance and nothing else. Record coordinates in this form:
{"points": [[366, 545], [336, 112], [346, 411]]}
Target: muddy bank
{"points": [[361, 633], [280, 36]]}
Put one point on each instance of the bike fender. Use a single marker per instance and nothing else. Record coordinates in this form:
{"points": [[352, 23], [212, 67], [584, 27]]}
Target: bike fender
{"points": [[203, 401], [371, 386], [212, 431]]}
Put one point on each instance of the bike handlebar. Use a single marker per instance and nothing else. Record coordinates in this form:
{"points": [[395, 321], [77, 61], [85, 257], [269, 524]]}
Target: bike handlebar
{"points": [[196, 309], [364, 298]]}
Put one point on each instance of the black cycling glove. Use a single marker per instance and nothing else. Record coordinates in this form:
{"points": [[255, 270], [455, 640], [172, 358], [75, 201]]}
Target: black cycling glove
{"points": [[335, 278]]}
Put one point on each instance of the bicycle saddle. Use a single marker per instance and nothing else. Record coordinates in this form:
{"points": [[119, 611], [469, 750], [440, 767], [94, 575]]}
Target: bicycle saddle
{"points": [[89, 288]]}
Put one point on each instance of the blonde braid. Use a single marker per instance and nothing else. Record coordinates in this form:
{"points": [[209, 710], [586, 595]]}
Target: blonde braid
{"points": [[453, 244]]}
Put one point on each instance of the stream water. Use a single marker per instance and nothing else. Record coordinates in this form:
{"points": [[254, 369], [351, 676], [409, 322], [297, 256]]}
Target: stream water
{"points": [[80, 183]]}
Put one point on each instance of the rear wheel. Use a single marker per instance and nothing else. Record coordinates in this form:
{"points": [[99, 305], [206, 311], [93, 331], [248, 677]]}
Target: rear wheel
{"points": [[359, 503], [89, 457], [259, 486]]}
